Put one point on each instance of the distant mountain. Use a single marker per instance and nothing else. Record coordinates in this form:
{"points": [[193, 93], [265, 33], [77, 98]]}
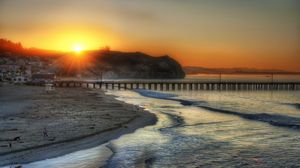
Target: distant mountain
{"points": [[201, 70]]}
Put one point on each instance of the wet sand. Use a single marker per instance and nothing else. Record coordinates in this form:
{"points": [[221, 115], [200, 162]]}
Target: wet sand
{"points": [[35, 125]]}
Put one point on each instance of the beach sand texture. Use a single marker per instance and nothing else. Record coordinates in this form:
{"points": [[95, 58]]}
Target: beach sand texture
{"points": [[36, 125]]}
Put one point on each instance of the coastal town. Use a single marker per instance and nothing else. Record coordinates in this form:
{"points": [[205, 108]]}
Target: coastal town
{"points": [[23, 71], [16, 67]]}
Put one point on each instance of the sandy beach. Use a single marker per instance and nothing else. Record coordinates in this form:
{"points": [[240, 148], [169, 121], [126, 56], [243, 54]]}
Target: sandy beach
{"points": [[35, 125]]}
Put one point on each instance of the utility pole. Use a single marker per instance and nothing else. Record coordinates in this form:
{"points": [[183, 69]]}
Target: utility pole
{"points": [[101, 76], [220, 80]]}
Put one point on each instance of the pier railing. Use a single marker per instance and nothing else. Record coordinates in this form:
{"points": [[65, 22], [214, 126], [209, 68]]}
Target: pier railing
{"points": [[180, 85]]}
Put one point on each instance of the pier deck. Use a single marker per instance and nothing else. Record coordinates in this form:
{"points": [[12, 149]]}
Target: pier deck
{"points": [[180, 85]]}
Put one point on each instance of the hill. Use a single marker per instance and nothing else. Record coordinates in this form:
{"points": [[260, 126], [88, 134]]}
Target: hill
{"points": [[118, 64]]}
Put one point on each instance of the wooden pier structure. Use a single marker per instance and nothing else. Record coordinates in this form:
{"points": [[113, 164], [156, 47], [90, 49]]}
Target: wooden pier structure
{"points": [[165, 85]]}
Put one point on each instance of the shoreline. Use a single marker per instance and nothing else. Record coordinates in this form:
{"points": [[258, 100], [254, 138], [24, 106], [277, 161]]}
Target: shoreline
{"points": [[69, 145]]}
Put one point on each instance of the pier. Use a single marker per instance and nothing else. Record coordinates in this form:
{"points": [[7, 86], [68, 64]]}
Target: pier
{"points": [[166, 85]]}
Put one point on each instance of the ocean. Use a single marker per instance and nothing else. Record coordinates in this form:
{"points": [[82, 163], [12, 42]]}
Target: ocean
{"points": [[202, 129], [213, 129]]}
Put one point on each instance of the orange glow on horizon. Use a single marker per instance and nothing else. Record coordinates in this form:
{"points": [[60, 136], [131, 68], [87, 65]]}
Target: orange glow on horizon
{"points": [[199, 33], [80, 40], [69, 38]]}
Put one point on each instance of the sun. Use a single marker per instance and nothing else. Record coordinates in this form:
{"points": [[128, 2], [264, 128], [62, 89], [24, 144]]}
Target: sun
{"points": [[77, 48]]}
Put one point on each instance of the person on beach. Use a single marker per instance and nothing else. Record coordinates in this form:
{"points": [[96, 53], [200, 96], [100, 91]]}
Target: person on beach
{"points": [[45, 132]]}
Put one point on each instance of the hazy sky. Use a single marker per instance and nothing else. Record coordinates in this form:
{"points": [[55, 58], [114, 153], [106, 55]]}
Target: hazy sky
{"points": [[210, 33]]}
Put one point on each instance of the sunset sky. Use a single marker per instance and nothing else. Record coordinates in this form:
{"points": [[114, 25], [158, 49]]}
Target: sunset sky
{"points": [[209, 33]]}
